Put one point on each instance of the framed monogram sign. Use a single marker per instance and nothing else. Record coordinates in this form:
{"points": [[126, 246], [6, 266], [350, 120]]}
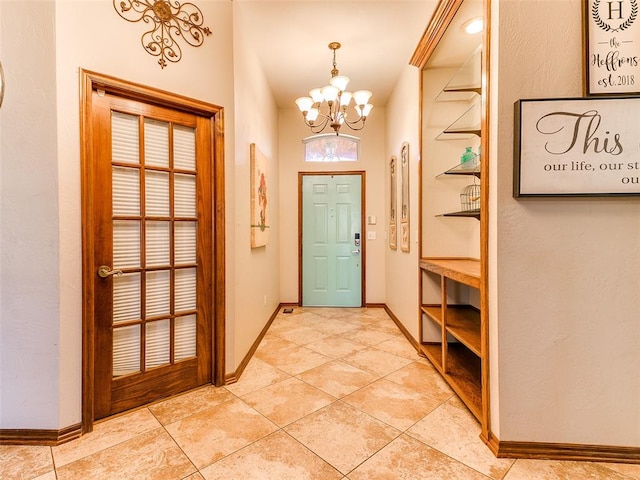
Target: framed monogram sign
{"points": [[612, 47]]}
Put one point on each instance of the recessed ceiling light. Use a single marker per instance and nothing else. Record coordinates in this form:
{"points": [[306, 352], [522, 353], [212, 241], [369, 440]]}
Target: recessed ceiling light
{"points": [[474, 25]]}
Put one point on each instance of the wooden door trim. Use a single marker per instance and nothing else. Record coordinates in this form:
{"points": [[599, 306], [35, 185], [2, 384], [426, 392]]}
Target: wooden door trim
{"points": [[363, 240], [90, 82]]}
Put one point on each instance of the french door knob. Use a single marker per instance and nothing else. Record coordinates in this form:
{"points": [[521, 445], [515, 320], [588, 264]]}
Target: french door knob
{"points": [[105, 271]]}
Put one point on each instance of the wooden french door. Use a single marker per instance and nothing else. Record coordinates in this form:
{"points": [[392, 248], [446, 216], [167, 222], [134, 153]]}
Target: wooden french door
{"points": [[150, 200]]}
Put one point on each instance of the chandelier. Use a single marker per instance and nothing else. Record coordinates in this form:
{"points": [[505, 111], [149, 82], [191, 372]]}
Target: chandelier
{"points": [[328, 105]]}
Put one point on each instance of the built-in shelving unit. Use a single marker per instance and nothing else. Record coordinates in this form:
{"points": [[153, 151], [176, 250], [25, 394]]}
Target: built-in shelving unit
{"points": [[453, 330], [458, 353]]}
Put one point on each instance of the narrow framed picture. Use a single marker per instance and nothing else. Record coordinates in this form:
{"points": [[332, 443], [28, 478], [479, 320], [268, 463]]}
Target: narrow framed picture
{"points": [[259, 196], [393, 204], [404, 211], [611, 32]]}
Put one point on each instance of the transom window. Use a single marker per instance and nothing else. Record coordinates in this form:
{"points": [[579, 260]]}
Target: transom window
{"points": [[329, 147]]}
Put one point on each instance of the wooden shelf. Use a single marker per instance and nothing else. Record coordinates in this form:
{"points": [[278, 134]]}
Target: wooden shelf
{"points": [[463, 270], [463, 322], [433, 352], [434, 312], [463, 372]]}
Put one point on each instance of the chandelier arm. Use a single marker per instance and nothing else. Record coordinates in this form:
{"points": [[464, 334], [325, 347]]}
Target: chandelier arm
{"points": [[350, 124]]}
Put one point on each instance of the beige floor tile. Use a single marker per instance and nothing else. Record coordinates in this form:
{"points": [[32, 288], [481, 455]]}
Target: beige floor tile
{"points": [[422, 378], [149, 456], [190, 403], [335, 346], [257, 375], [394, 404], [627, 469], [455, 432], [289, 357], [370, 335], [555, 470], [337, 378], [219, 431], [24, 462], [47, 476], [195, 476], [335, 312], [287, 401], [408, 459], [106, 433], [301, 334], [376, 361], [332, 326], [342, 435], [388, 326], [400, 346], [276, 457]]}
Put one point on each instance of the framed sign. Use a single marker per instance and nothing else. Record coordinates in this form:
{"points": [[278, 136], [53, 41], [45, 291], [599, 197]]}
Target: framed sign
{"points": [[612, 47], [577, 147]]}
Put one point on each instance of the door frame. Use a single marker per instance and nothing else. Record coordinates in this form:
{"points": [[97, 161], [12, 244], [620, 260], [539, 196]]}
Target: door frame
{"points": [[90, 82], [363, 241]]}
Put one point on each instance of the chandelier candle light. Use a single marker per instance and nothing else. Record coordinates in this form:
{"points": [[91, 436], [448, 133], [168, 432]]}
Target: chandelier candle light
{"points": [[328, 105]]}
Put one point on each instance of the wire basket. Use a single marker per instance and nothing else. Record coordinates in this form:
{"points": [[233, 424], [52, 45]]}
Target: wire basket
{"points": [[470, 198]]}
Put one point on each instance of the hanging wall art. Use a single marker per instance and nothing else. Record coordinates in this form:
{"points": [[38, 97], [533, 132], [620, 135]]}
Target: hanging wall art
{"points": [[259, 198], [404, 212], [393, 193], [170, 21]]}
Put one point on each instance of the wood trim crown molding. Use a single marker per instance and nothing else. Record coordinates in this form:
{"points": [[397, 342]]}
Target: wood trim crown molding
{"points": [[440, 20]]}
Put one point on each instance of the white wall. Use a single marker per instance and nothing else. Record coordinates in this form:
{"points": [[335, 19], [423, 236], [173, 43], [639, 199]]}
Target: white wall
{"points": [[256, 281], [44, 45], [565, 273], [401, 279], [30, 322], [373, 162]]}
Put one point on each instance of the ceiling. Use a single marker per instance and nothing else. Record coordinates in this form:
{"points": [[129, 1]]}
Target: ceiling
{"points": [[291, 38]]}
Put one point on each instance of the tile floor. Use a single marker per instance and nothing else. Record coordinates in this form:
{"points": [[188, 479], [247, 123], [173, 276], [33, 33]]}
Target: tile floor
{"points": [[329, 394]]}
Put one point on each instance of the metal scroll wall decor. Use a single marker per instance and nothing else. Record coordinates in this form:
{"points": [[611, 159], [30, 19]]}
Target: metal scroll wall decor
{"points": [[170, 21]]}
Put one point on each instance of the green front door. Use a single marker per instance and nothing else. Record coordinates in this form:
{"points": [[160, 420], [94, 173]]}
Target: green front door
{"points": [[332, 250]]}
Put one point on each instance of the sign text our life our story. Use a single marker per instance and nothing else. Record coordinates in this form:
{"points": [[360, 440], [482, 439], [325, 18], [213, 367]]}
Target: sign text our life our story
{"points": [[577, 147]]}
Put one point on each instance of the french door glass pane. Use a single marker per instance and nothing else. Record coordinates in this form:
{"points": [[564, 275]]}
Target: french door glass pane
{"points": [[185, 195], [185, 242], [157, 193], [156, 143], [126, 243], [126, 297], [185, 290], [184, 147], [124, 138], [158, 242], [126, 191], [157, 344], [126, 350], [158, 293], [185, 343]]}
